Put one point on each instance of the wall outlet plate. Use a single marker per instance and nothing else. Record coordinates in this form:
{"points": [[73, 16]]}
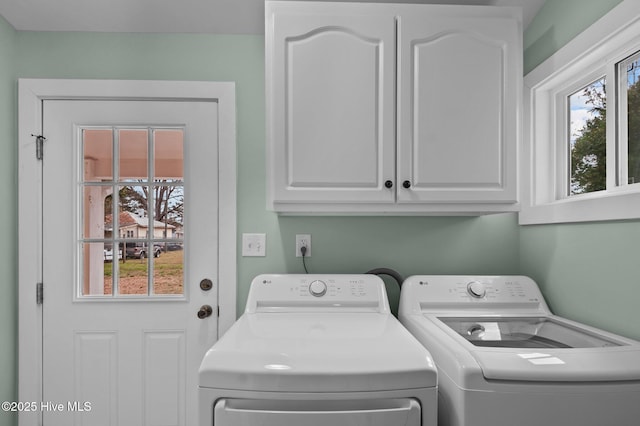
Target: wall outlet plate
{"points": [[254, 245], [303, 240]]}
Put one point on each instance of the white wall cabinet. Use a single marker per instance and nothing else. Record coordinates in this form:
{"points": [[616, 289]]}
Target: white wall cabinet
{"points": [[392, 108]]}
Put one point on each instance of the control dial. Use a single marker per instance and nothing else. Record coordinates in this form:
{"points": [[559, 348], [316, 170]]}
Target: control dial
{"points": [[476, 289], [318, 288]]}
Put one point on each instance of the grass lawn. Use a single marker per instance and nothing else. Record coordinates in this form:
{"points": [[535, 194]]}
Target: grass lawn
{"points": [[167, 274]]}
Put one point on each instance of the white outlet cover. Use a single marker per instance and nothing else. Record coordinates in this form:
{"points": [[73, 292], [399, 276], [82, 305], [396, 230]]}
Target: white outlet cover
{"points": [[299, 239], [254, 245]]}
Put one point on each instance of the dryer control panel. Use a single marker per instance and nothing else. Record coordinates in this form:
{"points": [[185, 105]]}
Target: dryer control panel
{"points": [[450, 292], [315, 292]]}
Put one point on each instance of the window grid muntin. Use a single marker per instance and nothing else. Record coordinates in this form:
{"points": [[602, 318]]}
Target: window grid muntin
{"points": [[115, 240]]}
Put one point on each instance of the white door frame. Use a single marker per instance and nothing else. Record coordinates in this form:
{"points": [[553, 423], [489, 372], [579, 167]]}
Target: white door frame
{"points": [[31, 93]]}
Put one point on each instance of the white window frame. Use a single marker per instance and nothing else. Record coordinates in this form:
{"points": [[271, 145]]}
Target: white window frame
{"points": [[623, 127], [589, 56]]}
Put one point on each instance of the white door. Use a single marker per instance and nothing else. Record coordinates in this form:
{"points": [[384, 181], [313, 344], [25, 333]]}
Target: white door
{"points": [[130, 229]]}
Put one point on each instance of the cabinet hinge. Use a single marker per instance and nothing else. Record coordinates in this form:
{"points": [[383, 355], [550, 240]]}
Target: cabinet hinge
{"points": [[218, 309], [39, 293], [39, 146]]}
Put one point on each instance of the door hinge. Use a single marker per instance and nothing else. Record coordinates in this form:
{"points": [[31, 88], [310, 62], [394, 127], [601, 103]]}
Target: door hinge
{"points": [[39, 146], [39, 293]]}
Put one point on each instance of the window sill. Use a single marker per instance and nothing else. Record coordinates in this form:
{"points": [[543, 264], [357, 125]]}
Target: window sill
{"points": [[603, 206]]}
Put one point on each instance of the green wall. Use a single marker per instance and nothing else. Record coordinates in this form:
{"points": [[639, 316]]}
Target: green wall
{"points": [[588, 272], [8, 221], [557, 22]]}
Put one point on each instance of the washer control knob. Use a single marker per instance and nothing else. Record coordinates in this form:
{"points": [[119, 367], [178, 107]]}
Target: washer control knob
{"points": [[476, 289], [317, 288]]}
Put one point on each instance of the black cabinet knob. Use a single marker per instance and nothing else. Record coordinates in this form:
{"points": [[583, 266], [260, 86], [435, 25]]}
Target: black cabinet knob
{"points": [[406, 184], [388, 184]]}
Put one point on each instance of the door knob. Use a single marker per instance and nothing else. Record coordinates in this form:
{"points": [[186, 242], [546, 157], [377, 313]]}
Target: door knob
{"points": [[406, 184], [205, 311], [388, 184]]}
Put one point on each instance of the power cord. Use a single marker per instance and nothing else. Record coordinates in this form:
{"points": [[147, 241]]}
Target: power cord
{"points": [[303, 251]]}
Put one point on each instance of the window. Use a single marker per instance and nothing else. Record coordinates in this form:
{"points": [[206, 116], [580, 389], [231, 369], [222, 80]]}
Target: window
{"points": [[133, 198], [582, 147], [629, 105], [586, 139]]}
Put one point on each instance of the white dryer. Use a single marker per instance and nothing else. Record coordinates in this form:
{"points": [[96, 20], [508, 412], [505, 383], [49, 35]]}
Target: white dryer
{"points": [[503, 359], [317, 350]]}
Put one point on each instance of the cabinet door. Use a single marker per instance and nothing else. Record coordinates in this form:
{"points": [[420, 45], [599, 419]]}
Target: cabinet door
{"points": [[458, 105], [330, 103]]}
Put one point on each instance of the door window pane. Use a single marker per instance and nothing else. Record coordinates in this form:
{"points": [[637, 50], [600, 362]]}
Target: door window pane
{"points": [[97, 212], [168, 270], [97, 147], [133, 148], [134, 211], [97, 267], [133, 276], [587, 139], [168, 154]]}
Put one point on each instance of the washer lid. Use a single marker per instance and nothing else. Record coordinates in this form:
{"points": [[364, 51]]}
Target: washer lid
{"points": [[525, 332], [317, 352], [546, 349]]}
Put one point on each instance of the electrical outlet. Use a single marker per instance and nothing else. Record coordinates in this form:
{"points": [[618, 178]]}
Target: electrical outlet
{"points": [[303, 240]]}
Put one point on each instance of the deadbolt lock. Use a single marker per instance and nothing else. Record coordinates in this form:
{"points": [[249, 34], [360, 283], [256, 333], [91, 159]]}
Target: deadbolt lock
{"points": [[206, 284]]}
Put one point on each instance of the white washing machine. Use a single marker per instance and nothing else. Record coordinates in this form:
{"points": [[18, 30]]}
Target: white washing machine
{"points": [[503, 359], [317, 350]]}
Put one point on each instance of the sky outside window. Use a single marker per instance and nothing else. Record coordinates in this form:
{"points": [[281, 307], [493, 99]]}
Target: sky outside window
{"points": [[587, 139]]}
